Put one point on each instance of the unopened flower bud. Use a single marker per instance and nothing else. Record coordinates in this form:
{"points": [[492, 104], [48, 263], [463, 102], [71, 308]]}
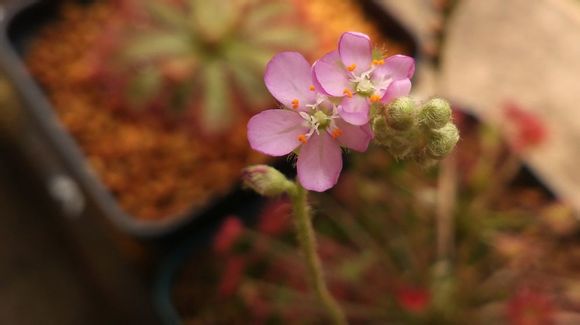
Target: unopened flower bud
{"points": [[381, 129], [400, 113], [400, 147], [266, 180], [399, 144], [435, 113], [423, 159], [442, 141]]}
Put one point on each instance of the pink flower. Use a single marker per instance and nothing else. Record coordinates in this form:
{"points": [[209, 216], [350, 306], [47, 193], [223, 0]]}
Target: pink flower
{"points": [[309, 122], [351, 73]]}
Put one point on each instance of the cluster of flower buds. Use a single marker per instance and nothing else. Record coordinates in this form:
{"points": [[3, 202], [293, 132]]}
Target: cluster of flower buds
{"points": [[424, 133]]}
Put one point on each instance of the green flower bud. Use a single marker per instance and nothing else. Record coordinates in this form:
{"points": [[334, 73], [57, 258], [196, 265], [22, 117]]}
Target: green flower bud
{"points": [[403, 144], [400, 146], [442, 141], [423, 159], [400, 113], [266, 180], [381, 130], [435, 113]]}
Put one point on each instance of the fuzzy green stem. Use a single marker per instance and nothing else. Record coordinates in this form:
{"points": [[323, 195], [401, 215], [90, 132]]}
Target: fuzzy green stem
{"points": [[305, 232]]}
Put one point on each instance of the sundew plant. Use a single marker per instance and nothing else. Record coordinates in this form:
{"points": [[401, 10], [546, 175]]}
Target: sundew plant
{"points": [[202, 58], [347, 99]]}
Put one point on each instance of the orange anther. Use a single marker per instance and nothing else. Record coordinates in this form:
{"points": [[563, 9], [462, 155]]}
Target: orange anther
{"points": [[312, 88], [351, 67], [347, 92], [378, 62], [336, 133], [375, 98], [295, 103], [302, 138]]}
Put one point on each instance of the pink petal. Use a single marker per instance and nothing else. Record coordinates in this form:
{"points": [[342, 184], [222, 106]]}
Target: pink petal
{"points": [[319, 163], [288, 77], [354, 110], [330, 75], [275, 132], [355, 48], [396, 67], [353, 136], [397, 89]]}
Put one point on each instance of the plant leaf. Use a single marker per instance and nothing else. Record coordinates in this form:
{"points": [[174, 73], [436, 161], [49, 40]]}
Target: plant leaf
{"points": [[249, 81], [217, 114], [166, 14], [285, 37], [156, 44], [243, 53], [213, 19], [260, 15], [144, 86]]}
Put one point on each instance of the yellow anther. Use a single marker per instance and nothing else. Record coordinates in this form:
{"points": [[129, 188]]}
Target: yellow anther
{"points": [[347, 92], [336, 133], [302, 138], [295, 103], [375, 98], [351, 67], [312, 88]]}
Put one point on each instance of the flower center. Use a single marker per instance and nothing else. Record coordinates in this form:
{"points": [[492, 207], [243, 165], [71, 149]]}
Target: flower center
{"points": [[365, 87], [321, 119]]}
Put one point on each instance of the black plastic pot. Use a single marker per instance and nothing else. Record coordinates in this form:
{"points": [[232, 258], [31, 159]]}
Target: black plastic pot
{"points": [[66, 173]]}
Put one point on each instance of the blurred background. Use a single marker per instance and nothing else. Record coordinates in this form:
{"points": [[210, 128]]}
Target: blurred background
{"points": [[123, 133]]}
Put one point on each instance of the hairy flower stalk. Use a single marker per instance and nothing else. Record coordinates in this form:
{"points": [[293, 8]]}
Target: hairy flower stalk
{"points": [[307, 239], [268, 181]]}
